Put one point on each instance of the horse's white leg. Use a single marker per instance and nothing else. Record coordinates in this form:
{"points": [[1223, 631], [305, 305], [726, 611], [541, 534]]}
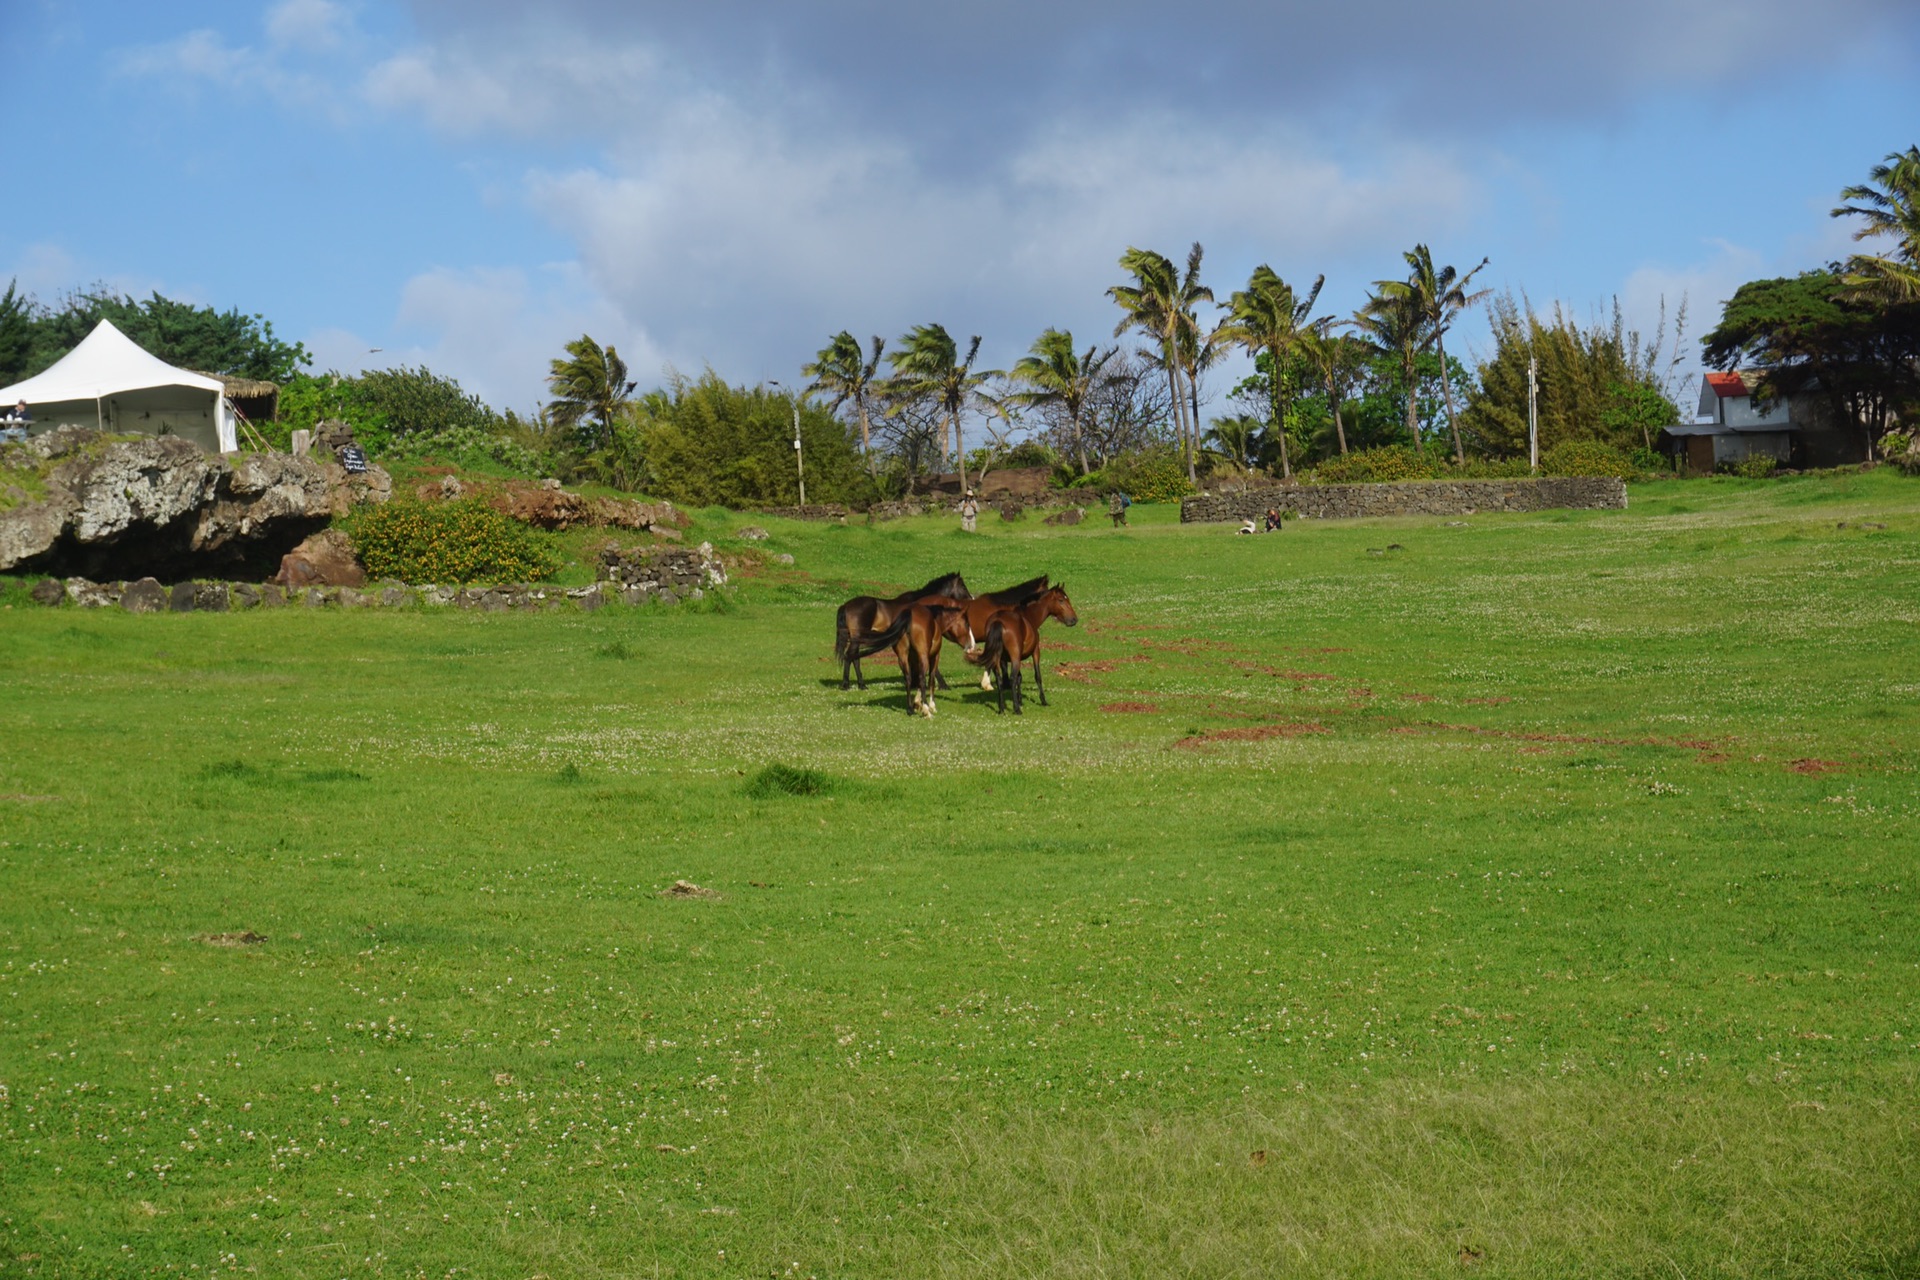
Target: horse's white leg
{"points": [[986, 682]]}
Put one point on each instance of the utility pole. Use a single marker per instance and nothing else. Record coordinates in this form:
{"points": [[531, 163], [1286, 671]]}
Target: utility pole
{"points": [[799, 460], [1533, 412]]}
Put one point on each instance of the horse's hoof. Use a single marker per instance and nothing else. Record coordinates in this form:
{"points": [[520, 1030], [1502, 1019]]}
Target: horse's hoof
{"points": [[986, 684]]}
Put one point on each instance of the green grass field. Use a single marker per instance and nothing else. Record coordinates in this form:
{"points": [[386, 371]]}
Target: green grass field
{"points": [[1535, 897]]}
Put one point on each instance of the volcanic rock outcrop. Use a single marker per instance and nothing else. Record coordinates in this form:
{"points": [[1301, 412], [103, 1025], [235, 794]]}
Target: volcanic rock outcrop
{"points": [[161, 506]]}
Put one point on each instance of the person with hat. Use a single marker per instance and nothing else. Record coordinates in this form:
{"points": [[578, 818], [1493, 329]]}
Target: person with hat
{"points": [[969, 512]]}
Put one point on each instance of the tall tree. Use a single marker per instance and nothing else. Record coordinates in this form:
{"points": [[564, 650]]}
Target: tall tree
{"points": [[842, 370], [1600, 380], [1341, 363], [1394, 323], [1889, 204], [928, 366], [1808, 330], [16, 333], [1053, 379], [589, 388], [1161, 304], [190, 337], [1443, 295], [1267, 316]]}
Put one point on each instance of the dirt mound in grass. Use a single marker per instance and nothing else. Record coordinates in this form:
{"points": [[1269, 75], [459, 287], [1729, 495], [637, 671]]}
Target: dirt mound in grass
{"points": [[688, 889], [1813, 768], [1131, 708], [1257, 733], [244, 938]]}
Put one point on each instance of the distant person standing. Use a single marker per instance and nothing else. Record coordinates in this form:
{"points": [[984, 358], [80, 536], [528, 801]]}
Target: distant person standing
{"points": [[1117, 508], [969, 512]]}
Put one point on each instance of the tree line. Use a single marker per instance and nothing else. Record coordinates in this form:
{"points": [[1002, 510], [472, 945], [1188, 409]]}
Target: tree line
{"points": [[873, 416]]}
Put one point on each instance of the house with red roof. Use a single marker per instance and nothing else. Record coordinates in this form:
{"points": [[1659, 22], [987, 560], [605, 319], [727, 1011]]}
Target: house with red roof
{"points": [[1735, 422]]}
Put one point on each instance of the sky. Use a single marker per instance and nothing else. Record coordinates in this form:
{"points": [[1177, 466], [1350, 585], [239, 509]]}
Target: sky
{"points": [[469, 184]]}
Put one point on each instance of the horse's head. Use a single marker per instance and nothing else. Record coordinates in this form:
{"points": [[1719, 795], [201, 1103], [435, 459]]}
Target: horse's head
{"points": [[1058, 606], [954, 587]]}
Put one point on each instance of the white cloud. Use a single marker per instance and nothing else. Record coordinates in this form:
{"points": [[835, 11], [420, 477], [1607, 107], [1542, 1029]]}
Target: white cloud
{"points": [[566, 88], [492, 329], [316, 25]]}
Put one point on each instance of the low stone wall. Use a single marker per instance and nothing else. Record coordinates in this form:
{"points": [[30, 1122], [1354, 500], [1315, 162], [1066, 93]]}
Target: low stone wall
{"points": [[1410, 498], [639, 575], [812, 511]]}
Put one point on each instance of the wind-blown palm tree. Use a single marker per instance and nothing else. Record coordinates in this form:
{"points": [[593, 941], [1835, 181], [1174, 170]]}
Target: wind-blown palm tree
{"points": [[590, 386], [1237, 438], [1340, 360], [1891, 207], [928, 367], [1394, 324], [1268, 316], [1053, 376], [1443, 296], [845, 372], [1160, 303]]}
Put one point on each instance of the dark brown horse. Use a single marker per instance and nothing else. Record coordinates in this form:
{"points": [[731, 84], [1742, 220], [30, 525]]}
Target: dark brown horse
{"points": [[1012, 636], [980, 608], [919, 629], [864, 616]]}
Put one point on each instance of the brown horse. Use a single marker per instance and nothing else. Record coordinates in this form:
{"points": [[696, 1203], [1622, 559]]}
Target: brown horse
{"points": [[919, 630], [981, 608], [864, 616], [1012, 636]]}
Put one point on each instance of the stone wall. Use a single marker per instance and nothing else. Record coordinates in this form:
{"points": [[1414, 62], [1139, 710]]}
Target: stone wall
{"points": [[1410, 498], [812, 511], [639, 575]]}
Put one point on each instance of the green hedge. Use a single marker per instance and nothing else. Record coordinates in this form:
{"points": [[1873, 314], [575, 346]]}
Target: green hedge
{"points": [[462, 541]]}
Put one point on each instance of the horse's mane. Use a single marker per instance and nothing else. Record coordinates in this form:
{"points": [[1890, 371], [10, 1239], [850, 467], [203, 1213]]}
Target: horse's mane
{"points": [[1020, 593], [944, 585]]}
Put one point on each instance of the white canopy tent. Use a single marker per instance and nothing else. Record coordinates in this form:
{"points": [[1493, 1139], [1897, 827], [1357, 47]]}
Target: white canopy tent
{"points": [[111, 383]]}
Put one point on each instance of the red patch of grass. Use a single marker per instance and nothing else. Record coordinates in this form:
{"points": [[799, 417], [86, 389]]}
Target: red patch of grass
{"points": [[1132, 708], [1812, 768], [1083, 672]]}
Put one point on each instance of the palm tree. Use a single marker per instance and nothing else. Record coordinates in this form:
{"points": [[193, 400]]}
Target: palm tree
{"points": [[1394, 324], [1160, 303], [843, 371], [1052, 376], [1340, 360], [1268, 316], [1237, 438], [1443, 295], [589, 386], [928, 367], [1891, 208]]}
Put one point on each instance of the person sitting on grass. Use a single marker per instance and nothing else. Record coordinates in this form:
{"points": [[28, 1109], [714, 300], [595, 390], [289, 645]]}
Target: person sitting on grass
{"points": [[1274, 521]]}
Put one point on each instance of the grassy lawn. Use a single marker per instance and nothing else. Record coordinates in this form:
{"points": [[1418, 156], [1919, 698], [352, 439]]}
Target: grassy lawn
{"points": [[1526, 896]]}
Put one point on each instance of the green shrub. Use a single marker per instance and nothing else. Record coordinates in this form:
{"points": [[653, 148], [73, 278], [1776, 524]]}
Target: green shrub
{"points": [[1373, 466], [463, 541], [1650, 461], [1756, 466], [473, 448], [1491, 469], [1156, 475], [1586, 458]]}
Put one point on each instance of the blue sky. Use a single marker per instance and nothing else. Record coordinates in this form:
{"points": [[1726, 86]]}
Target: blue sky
{"points": [[471, 184]]}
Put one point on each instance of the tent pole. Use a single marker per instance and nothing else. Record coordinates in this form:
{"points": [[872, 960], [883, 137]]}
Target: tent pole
{"points": [[99, 416]]}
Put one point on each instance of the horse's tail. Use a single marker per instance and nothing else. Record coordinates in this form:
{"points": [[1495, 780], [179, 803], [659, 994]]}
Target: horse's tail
{"points": [[842, 635], [992, 648], [885, 639]]}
